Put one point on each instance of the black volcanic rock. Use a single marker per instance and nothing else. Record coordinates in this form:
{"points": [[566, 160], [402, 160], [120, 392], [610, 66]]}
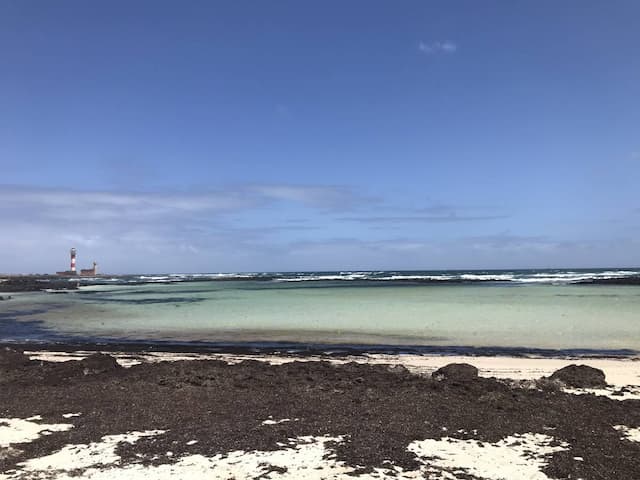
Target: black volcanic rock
{"points": [[580, 376], [461, 372], [632, 280], [12, 358], [32, 283], [99, 363]]}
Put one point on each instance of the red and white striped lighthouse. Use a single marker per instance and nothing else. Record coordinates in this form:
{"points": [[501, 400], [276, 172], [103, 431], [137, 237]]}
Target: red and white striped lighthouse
{"points": [[73, 260]]}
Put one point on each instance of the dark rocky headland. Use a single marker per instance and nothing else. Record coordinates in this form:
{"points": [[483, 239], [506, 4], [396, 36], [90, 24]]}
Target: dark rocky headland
{"points": [[34, 283]]}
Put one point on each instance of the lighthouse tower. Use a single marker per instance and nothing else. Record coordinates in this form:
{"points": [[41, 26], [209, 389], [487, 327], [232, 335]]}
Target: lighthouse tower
{"points": [[73, 261]]}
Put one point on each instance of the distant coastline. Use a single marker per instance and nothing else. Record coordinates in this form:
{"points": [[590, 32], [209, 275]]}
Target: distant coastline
{"points": [[602, 276]]}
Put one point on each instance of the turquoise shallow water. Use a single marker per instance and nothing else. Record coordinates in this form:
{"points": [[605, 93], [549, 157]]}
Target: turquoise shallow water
{"points": [[549, 316]]}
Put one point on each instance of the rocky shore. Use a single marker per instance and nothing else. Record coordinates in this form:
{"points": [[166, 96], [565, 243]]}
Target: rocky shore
{"points": [[366, 421], [34, 283], [635, 280]]}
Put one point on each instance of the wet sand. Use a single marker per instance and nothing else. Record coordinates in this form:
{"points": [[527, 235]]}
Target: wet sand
{"points": [[286, 417]]}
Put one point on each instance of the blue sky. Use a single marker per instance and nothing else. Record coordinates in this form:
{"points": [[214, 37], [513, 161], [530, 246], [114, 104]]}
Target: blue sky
{"points": [[244, 136]]}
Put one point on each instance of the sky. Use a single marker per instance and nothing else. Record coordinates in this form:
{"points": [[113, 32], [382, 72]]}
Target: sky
{"points": [[209, 136]]}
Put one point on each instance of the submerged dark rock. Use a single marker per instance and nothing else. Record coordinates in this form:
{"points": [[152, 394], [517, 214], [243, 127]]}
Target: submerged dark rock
{"points": [[632, 280], [580, 376], [461, 372]]}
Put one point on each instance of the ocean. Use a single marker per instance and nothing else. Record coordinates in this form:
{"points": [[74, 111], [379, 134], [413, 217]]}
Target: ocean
{"points": [[524, 311]]}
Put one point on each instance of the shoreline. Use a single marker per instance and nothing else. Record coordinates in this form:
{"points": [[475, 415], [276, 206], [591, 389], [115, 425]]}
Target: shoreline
{"points": [[321, 349]]}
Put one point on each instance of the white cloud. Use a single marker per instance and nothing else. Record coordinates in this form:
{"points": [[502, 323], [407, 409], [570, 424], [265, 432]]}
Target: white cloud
{"points": [[465, 252], [258, 227], [442, 47], [150, 231], [452, 218], [435, 213], [323, 197], [67, 205]]}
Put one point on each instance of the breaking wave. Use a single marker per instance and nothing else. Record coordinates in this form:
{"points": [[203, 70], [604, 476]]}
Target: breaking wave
{"points": [[551, 277]]}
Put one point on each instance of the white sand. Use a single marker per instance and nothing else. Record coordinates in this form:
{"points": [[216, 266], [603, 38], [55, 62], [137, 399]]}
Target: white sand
{"points": [[70, 415], [610, 392], [18, 430], [304, 457], [519, 457], [86, 455], [271, 421], [632, 434]]}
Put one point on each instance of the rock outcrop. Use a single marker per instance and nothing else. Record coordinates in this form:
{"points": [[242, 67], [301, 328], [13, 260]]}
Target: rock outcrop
{"points": [[460, 372], [10, 358], [580, 376]]}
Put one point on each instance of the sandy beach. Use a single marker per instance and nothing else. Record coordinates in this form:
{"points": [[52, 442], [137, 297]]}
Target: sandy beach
{"points": [[79, 414]]}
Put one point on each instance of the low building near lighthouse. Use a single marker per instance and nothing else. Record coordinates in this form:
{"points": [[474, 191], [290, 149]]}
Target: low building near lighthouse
{"points": [[89, 272]]}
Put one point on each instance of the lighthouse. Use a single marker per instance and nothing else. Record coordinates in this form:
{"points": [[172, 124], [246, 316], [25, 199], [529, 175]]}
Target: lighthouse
{"points": [[73, 261], [72, 271]]}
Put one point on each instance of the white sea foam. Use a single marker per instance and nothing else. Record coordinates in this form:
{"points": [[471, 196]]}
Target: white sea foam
{"points": [[486, 277], [555, 280], [415, 277], [305, 278], [581, 276], [519, 277], [551, 277]]}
